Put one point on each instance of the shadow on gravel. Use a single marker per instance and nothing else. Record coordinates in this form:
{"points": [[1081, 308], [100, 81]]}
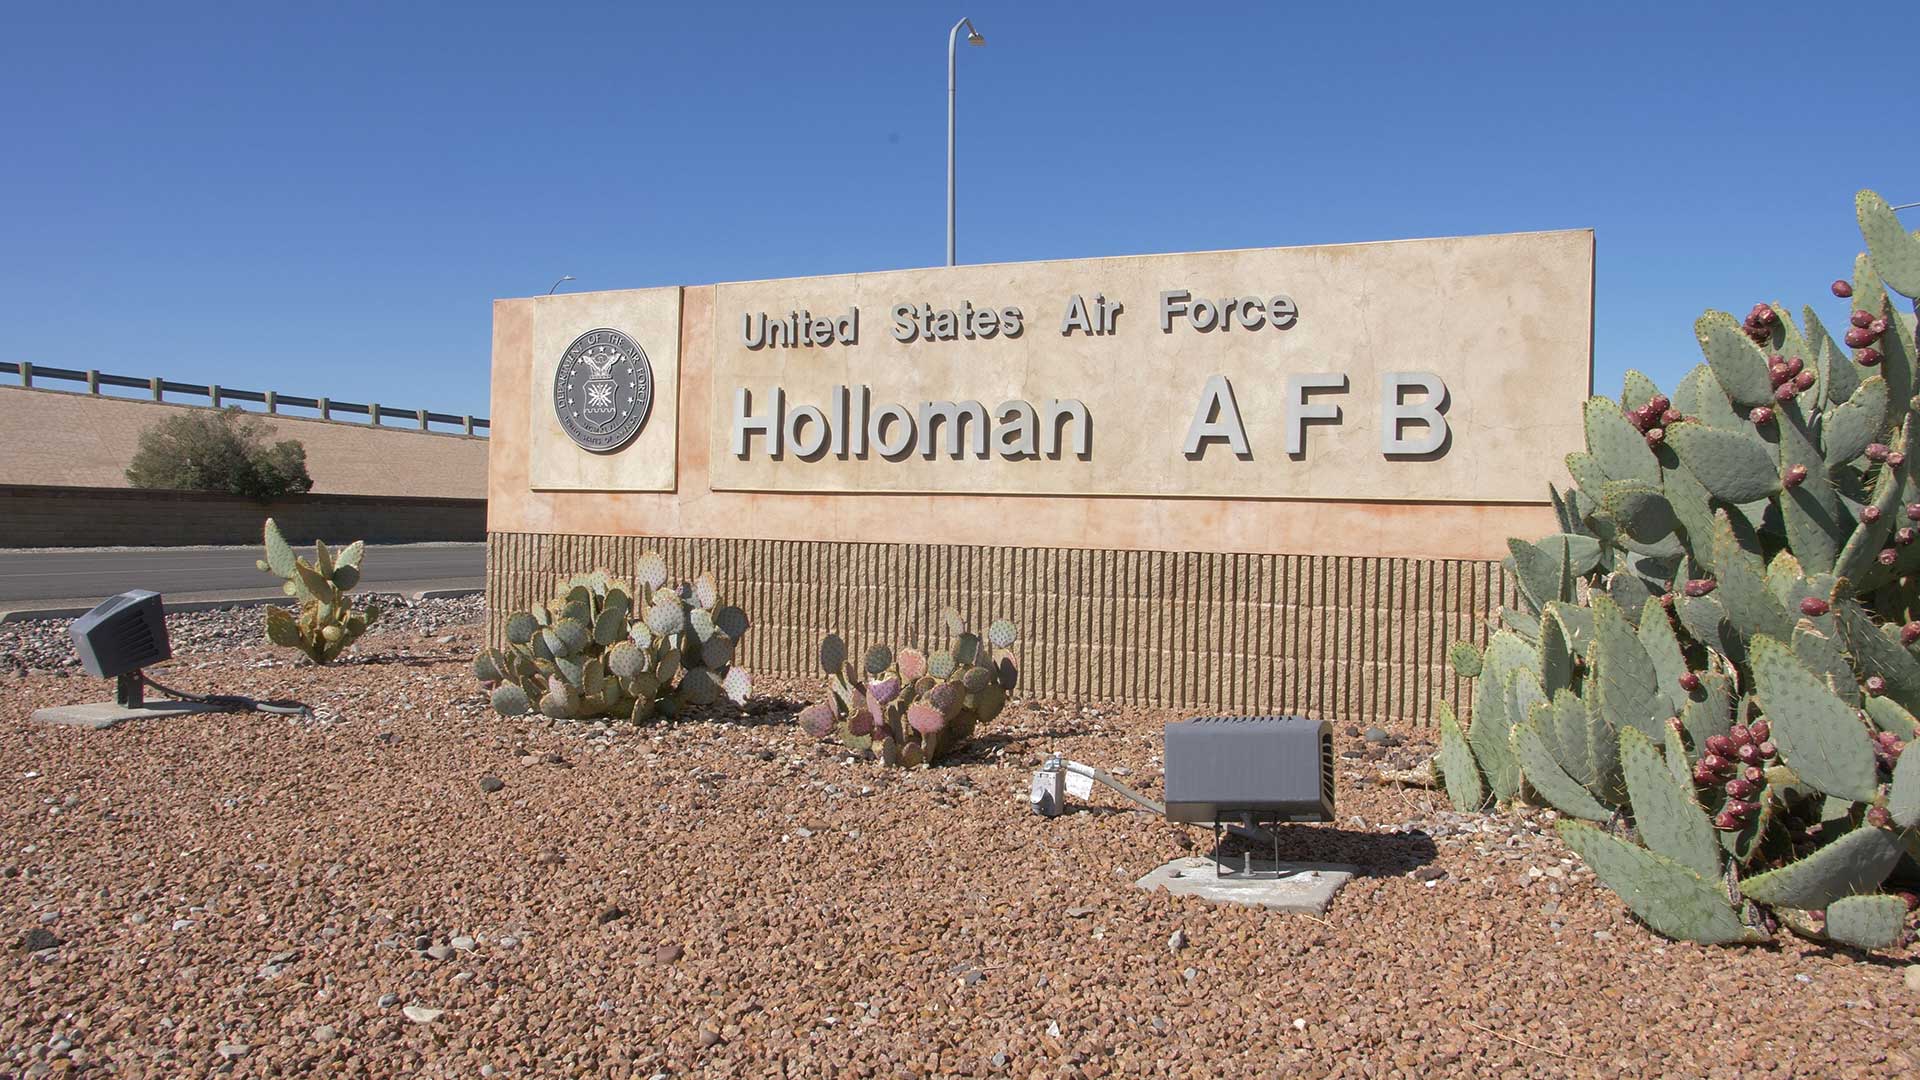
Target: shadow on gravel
{"points": [[1376, 854], [408, 660]]}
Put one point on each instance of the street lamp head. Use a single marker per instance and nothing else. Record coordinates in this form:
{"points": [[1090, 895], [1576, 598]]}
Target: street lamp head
{"points": [[973, 37]]}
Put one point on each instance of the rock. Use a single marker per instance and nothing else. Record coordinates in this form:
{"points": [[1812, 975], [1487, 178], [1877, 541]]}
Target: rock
{"points": [[420, 1014], [387, 1001], [1381, 737], [667, 954], [1427, 873], [509, 942], [1081, 912], [324, 1034], [422, 942], [232, 1050], [491, 784], [439, 952], [1178, 941], [708, 1038], [1913, 977], [462, 943], [609, 914], [40, 938]]}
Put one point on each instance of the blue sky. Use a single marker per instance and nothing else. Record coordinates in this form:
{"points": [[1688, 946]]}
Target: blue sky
{"points": [[326, 199]]}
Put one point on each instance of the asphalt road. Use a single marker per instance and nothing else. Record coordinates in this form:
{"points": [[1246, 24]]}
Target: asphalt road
{"points": [[90, 575]]}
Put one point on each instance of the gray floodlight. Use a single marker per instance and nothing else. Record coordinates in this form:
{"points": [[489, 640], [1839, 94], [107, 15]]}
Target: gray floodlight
{"points": [[1249, 770], [121, 635]]}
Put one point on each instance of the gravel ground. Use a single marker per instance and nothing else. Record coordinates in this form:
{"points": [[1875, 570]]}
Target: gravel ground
{"points": [[407, 885]]}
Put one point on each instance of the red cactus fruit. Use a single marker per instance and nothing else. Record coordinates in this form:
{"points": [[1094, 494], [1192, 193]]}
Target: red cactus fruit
{"points": [[1904, 536], [1861, 318], [1784, 392], [1656, 436], [1690, 682], [1748, 753], [1794, 477], [1698, 587], [1658, 404], [1869, 514], [1759, 730], [1813, 607], [1877, 327], [1879, 818], [1888, 556], [1877, 451], [1875, 685], [1703, 776], [1777, 372], [1910, 633], [1768, 750], [1718, 764], [1896, 459], [1725, 821], [1670, 417], [1842, 288], [1719, 744], [1858, 338], [1740, 789], [1761, 414], [1739, 733], [1803, 381], [1795, 366], [1867, 357], [1753, 774]]}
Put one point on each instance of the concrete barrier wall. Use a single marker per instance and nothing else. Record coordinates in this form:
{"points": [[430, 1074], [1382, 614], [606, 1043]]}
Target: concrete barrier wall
{"points": [[49, 437], [49, 516]]}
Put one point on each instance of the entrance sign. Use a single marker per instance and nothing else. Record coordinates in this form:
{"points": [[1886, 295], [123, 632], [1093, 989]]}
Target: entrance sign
{"points": [[603, 390], [1413, 371]]}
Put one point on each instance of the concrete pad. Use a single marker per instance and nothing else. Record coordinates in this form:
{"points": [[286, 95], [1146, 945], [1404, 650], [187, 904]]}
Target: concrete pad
{"points": [[1297, 888], [96, 715]]}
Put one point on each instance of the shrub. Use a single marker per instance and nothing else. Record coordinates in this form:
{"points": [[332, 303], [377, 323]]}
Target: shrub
{"points": [[326, 623], [222, 450], [590, 653], [912, 707], [1714, 662]]}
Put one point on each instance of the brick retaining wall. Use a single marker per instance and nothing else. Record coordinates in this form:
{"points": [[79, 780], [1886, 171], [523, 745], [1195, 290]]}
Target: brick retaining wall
{"points": [[49, 516]]}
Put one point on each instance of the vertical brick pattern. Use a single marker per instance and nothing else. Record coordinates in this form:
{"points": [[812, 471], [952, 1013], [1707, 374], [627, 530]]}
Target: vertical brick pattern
{"points": [[1347, 639]]}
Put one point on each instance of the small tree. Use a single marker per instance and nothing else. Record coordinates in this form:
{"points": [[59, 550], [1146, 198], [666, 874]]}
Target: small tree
{"points": [[223, 450]]}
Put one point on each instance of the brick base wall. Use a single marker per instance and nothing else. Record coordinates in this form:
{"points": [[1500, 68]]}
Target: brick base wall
{"points": [[1352, 640], [40, 516]]}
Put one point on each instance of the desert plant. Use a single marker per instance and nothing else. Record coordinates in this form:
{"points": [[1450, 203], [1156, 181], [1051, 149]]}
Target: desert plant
{"points": [[914, 707], [326, 623], [222, 450], [596, 651], [1715, 653]]}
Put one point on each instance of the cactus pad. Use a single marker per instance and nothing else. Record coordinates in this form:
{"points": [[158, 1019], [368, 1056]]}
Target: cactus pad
{"points": [[925, 718], [940, 664], [946, 697], [486, 666], [878, 660], [833, 654], [1001, 634], [885, 690], [1856, 863], [666, 618], [1669, 897], [510, 700], [912, 664], [1867, 922], [651, 570], [817, 720], [706, 591]]}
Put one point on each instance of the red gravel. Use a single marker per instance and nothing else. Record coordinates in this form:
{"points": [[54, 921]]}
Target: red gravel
{"points": [[723, 897]]}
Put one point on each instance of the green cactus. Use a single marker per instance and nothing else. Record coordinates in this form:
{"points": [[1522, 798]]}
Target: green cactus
{"points": [[1715, 657], [910, 707], [593, 651], [325, 623]]}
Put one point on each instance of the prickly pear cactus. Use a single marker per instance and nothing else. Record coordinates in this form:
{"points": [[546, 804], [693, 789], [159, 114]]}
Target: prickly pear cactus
{"points": [[913, 707], [325, 622], [1713, 672], [604, 649]]}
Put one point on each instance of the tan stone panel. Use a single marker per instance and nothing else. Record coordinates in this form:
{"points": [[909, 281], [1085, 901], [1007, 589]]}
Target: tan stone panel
{"points": [[651, 317], [1504, 320]]}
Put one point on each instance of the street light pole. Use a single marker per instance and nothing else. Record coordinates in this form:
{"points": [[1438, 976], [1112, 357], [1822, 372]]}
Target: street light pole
{"points": [[953, 42], [557, 284]]}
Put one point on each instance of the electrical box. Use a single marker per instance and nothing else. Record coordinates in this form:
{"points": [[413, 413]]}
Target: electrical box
{"points": [[122, 634], [1249, 770]]}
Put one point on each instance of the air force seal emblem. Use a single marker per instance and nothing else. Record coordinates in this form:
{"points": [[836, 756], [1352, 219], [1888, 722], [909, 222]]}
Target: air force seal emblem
{"points": [[603, 390]]}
